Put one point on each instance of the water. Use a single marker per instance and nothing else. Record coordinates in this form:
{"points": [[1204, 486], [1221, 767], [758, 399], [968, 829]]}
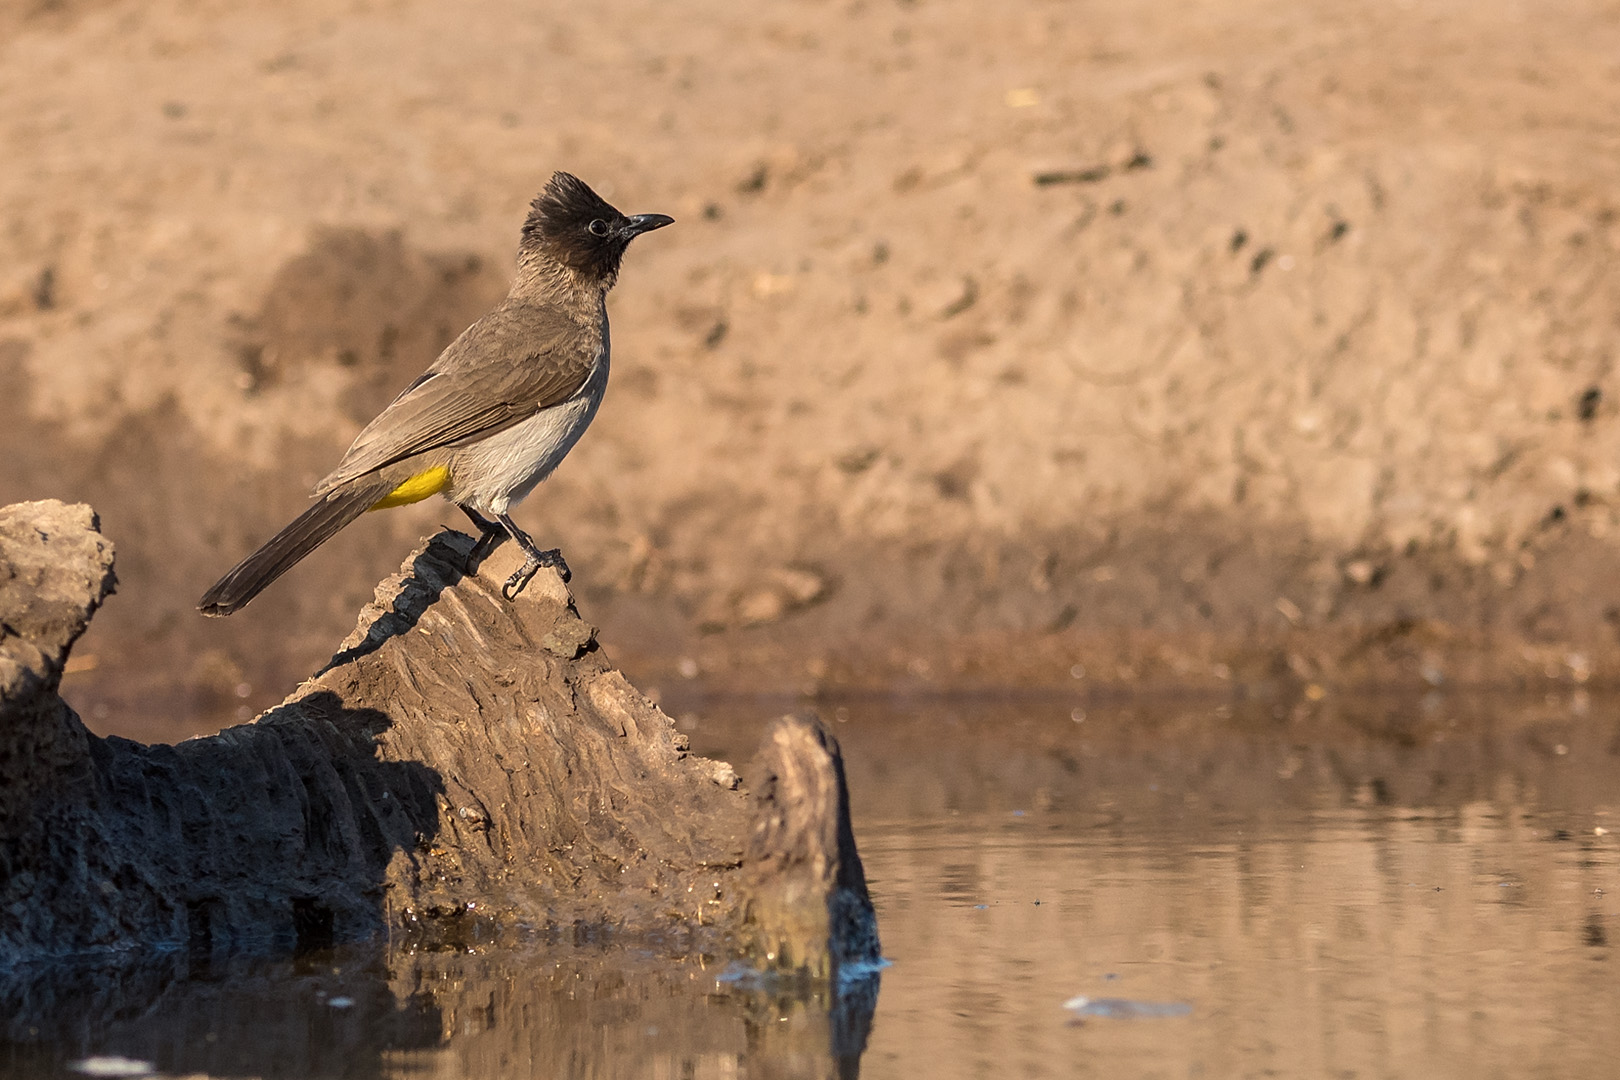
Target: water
{"points": [[1421, 888]]}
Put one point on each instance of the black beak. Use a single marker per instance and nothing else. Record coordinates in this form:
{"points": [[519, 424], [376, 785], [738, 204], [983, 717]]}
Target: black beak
{"points": [[640, 223]]}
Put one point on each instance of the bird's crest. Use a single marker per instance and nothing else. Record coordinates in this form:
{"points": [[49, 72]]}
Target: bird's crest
{"points": [[566, 205]]}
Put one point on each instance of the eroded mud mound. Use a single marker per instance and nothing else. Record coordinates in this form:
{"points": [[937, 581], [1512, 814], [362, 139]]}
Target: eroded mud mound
{"points": [[464, 769]]}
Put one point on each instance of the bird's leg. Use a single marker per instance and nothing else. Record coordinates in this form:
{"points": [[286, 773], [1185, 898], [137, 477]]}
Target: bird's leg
{"points": [[490, 535], [535, 560]]}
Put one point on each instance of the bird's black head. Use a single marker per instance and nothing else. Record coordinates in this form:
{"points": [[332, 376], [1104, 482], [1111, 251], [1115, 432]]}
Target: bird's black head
{"points": [[570, 224]]}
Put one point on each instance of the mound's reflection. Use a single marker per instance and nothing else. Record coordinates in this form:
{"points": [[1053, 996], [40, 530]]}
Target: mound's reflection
{"points": [[365, 1012]]}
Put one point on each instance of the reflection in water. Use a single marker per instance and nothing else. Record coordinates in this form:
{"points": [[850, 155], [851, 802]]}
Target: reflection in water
{"points": [[1423, 890], [1389, 888], [359, 1012]]}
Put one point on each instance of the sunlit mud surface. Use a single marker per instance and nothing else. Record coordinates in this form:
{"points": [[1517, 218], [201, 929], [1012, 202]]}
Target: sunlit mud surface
{"points": [[1377, 888]]}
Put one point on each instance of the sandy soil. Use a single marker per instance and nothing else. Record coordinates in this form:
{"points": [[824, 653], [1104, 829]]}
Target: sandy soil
{"points": [[1247, 343]]}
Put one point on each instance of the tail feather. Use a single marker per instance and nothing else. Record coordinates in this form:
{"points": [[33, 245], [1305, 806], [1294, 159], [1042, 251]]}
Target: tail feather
{"points": [[282, 551]]}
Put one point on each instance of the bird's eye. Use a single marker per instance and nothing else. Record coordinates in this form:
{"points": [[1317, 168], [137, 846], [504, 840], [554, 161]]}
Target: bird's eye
{"points": [[598, 227]]}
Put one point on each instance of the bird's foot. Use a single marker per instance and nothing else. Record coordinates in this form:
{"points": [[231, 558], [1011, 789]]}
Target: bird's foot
{"points": [[488, 541], [531, 566], [490, 535]]}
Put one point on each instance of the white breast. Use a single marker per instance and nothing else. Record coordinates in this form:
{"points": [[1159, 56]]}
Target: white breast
{"points": [[493, 475]]}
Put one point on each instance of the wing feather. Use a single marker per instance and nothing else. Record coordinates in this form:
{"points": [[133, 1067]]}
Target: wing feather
{"points": [[504, 368]]}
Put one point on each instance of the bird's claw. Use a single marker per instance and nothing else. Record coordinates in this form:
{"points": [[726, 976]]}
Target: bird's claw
{"points": [[520, 579], [554, 559]]}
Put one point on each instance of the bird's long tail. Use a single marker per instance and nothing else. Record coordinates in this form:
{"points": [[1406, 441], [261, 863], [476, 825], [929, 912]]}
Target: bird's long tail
{"points": [[282, 551]]}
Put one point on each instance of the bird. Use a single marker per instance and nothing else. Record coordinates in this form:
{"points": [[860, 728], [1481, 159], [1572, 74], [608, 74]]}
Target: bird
{"points": [[495, 413]]}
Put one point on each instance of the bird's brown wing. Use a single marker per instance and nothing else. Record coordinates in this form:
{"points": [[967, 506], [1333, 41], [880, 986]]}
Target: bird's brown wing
{"points": [[503, 369]]}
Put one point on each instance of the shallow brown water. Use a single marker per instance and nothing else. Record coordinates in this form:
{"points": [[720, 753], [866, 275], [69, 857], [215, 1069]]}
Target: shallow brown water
{"points": [[1420, 888]]}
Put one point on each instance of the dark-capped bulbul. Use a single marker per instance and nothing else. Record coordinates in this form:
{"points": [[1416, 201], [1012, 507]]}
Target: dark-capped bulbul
{"points": [[495, 413]]}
